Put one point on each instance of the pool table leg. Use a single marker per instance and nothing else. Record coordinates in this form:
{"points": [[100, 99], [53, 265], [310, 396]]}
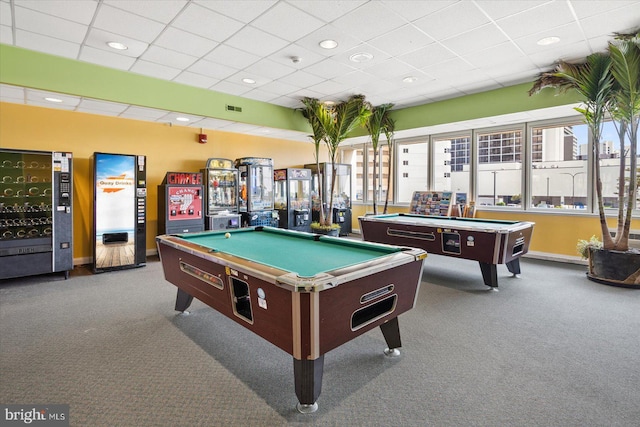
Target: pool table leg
{"points": [[183, 301], [391, 332], [308, 383], [514, 266], [489, 274]]}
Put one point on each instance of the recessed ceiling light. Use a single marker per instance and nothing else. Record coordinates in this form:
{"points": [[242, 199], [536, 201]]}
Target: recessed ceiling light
{"points": [[328, 44], [409, 79], [50, 99], [249, 81], [548, 40], [117, 46], [361, 57], [182, 119]]}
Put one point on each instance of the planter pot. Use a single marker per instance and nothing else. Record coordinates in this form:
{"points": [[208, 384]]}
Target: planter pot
{"points": [[614, 268], [335, 232]]}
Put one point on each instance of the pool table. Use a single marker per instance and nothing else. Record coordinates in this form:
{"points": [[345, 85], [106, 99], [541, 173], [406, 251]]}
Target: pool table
{"points": [[305, 293], [490, 242]]}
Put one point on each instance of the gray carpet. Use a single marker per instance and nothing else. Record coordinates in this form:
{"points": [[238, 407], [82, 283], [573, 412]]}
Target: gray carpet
{"points": [[548, 349]]}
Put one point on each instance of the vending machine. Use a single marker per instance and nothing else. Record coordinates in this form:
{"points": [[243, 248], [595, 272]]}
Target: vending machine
{"points": [[119, 211], [221, 194], [341, 193], [255, 201], [180, 203], [36, 213], [292, 198]]}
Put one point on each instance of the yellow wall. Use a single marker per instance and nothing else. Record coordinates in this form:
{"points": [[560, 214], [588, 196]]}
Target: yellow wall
{"points": [[168, 148], [552, 234]]}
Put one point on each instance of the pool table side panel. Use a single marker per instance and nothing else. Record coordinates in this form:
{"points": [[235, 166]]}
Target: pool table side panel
{"points": [[275, 323], [336, 306]]}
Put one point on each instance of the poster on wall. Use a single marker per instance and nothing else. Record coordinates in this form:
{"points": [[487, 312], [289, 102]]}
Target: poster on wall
{"points": [[117, 210]]}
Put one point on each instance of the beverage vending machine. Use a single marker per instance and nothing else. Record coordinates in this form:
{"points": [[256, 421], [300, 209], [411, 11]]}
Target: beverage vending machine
{"points": [[119, 211], [180, 203], [255, 202], [221, 194], [292, 198], [36, 213]]}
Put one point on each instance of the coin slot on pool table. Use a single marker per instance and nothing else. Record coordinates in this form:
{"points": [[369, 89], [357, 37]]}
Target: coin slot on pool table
{"points": [[518, 247], [369, 314], [241, 299], [451, 243]]}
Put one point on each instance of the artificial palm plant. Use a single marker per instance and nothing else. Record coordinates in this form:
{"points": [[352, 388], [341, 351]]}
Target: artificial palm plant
{"points": [[378, 123], [388, 133], [332, 123], [609, 84]]}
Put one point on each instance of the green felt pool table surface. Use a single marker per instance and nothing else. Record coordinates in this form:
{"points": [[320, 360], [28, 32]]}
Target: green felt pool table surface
{"points": [[304, 254]]}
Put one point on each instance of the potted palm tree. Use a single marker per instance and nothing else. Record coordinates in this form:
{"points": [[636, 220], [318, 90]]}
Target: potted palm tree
{"points": [[379, 122], [331, 124], [609, 84]]}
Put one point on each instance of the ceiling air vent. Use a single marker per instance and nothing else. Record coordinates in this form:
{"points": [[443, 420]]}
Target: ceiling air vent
{"points": [[234, 108]]}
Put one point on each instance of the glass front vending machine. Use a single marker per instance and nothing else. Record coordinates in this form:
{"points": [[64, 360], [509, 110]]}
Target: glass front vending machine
{"points": [[36, 213], [221, 194], [292, 198], [341, 193], [119, 211], [255, 202], [180, 203]]}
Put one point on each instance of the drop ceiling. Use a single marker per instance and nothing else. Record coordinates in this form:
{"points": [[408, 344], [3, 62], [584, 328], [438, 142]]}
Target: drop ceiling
{"points": [[410, 52]]}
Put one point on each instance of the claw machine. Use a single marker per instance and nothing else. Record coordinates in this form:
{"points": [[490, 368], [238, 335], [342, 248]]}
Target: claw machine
{"points": [[180, 203], [36, 213], [255, 201], [292, 198], [341, 193], [221, 194], [119, 211]]}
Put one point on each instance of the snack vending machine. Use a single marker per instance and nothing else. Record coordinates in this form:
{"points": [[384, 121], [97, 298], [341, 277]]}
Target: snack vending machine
{"points": [[255, 202], [341, 193], [36, 213], [180, 203], [221, 194], [292, 198], [119, 211]]}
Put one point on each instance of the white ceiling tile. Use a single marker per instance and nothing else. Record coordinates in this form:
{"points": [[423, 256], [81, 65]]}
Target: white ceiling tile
{"points": [[95, 105], [391, 68], [479, 38], [256, 41], [9, 91], [159, 10], [260, 95], [305, 56], [6, 16], [302, 79], [329, 68], [231, 88], [106, 59], [431, 54], [327, 10], [453, 67], [329, 87], [345, 40], [142, 112], [40, 23], [241, 10], [154, 70], [498, 9], [46, 104], [585, 9], [194, 79], [269, 69], [77, 11], [185, 42], [378, 56], [618, 20], [168, 57], [34, 95], [449, 21], [211, 69], [569, 34], [359, 22], [223, 54], [412, 9], [279, 87], [207, 23], [355, 77], [495, 56], [210, 123], [128, 24], [45, 44], [6, 35], [401, 40], [552, 15], [287, 101], [299, 22]]}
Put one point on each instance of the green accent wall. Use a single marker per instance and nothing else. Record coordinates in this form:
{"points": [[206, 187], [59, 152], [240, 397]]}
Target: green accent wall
{"points": [[22, 67]]}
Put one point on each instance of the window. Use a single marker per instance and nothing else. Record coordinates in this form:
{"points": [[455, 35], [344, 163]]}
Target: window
{"points": [[451, 160], [355, 157], [559, 166], [610, 157], [412, 168], [499, 174]]}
